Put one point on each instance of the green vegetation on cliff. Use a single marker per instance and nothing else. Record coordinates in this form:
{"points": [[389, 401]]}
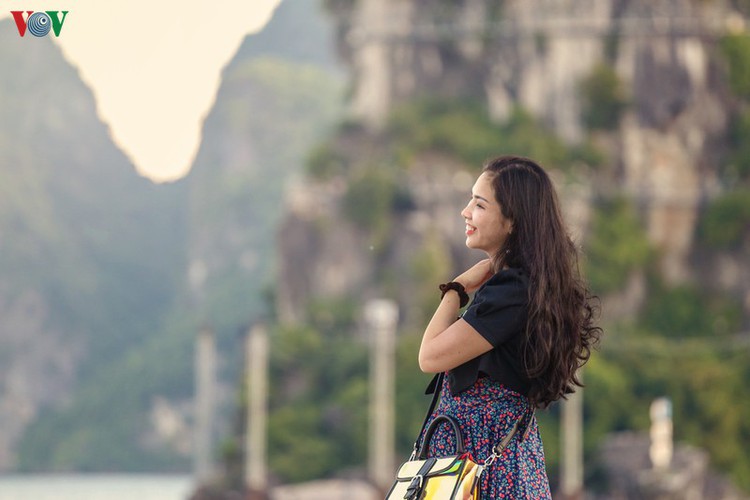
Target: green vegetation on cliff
{"points": [[682, 342], [109, 253]]}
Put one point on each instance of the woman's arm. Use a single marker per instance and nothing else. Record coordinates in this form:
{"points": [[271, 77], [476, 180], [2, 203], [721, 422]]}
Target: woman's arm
{"points": [[447, 342]]}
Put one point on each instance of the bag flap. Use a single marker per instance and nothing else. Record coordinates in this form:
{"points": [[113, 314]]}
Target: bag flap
{"points": [[442, 466]]}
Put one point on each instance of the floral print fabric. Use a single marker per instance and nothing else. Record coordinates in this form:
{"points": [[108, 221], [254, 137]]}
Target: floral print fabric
{"points": [[487, 412]]}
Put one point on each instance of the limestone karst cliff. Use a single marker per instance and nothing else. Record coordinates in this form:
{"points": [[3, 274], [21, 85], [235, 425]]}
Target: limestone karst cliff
{"points": [[633, 107], [106, 278], [663, 152]]}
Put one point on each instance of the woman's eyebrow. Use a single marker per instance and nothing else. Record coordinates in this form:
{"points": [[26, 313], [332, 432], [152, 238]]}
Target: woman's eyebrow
{"points": [[480, 198]]}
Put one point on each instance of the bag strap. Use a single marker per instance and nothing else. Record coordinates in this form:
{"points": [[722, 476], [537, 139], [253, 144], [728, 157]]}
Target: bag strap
{"points": [[414, 490], [498, 449], [434, 386], [460, 450]]}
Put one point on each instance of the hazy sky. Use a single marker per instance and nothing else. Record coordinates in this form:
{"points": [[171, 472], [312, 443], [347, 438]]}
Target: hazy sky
{"points": [[154, 66]]}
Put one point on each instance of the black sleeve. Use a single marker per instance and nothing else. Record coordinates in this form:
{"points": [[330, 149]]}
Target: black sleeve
{"points": [[499, 309]]}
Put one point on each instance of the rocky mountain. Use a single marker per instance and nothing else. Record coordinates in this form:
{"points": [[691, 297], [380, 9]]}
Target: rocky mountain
{"points": [[638, 108], [75, 222], [106, 278], [672, 112], [279, 96]]}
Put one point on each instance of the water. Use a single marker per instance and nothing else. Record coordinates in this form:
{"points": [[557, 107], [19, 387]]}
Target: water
{"points": [[95, 487]]}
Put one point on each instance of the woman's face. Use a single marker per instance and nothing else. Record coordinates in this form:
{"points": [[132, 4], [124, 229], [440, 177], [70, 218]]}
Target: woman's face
{"points": [[486, 227]]}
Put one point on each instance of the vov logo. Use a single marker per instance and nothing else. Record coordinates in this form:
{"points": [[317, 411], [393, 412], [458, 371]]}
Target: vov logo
{"points": [[39, 23]]}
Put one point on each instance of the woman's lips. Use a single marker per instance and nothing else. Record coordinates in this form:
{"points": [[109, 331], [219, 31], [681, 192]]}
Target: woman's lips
{"points": [[470, 230]]}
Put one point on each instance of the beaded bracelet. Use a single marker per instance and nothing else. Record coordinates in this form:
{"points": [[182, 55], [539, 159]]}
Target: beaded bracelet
{"points": [[459, 288]]}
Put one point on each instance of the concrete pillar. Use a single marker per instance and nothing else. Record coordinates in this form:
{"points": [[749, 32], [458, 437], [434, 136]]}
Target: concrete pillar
{"points": [[381, 317], [661, 448], [205, 382], [571, 463], [256, 475]]}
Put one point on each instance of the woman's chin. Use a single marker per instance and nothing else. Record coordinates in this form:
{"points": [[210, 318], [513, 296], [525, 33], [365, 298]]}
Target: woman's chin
{"points": [[473, 245]]}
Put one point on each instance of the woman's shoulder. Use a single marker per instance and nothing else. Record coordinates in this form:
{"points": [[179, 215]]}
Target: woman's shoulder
{"points": [[498, 311], [508, 277], [507, 285]]}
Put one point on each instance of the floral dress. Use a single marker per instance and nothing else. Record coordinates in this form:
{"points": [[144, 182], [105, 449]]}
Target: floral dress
{"points": [[486, 394], [486, 413]]}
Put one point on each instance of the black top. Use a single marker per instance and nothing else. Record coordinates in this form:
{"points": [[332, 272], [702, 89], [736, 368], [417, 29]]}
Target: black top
{"points": [[499, 313]]}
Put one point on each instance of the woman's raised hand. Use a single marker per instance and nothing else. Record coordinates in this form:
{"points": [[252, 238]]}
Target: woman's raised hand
{"points": [[476, 275]]}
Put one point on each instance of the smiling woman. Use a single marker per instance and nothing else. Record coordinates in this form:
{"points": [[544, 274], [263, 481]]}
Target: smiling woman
{"points": [[154, 68], [522, 338]]}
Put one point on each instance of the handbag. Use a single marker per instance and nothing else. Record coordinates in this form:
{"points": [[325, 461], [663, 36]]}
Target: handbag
{"points": [[455, 476], [443, 478]]}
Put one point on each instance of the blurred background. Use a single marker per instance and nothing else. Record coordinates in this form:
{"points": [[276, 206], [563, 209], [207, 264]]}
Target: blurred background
{"points": [[331, 169]]}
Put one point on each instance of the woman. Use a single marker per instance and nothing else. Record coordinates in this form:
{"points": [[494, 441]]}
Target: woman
{"points": [[519, 343]]}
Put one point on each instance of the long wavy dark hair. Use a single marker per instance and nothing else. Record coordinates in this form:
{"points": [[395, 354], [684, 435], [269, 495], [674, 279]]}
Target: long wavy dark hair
{"points": [[560, 332]]}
